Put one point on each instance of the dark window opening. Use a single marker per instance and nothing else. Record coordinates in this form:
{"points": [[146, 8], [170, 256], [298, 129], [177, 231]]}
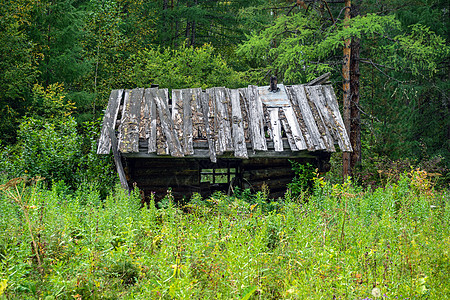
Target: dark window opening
{"points": [[218, 175]]}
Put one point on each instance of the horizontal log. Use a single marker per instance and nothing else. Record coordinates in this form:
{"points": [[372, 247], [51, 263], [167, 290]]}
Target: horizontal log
{"points": [[172, 180], [270, 173], [204, 153], [136, 173], [272, 184]]}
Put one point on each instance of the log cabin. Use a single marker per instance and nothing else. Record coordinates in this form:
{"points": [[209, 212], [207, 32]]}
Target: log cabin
{"points": [[201, 141]]}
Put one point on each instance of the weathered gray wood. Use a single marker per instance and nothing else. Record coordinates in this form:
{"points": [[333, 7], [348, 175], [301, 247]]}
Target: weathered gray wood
{"points": [[223, 120], [240, 148], [292, 99], [198, 125], [117, 159], [167, 126], [256, 121], [319, 80], [212, 120], [243, 96], [273, 99], [276, 128], [187, 122], [149, 117], [267, 126], [313, 136], [320, 101], [129, 130], [207, 119], [204, 153], [126, 99], [178, 114], [332, 103], [109, 121], [314, 95], [287, 129], [319, 120], [295, 128]]}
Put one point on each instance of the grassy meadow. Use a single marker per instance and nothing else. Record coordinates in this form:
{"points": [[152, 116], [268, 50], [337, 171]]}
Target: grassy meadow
{"points": [[339, 242]]}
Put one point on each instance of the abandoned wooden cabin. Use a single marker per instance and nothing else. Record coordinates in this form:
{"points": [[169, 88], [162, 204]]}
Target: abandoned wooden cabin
{"points": [[202, 141]]}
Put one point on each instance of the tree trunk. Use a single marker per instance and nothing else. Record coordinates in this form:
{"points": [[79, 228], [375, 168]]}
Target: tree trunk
{"points": [[346, 169], [355, 116]]}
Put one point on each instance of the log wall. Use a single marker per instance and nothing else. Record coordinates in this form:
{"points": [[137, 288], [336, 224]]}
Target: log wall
{"points": [[183, 175]]}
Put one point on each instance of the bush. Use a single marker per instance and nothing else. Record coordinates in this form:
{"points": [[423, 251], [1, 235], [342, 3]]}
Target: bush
{"points": [[303, 181], [48, 149]]}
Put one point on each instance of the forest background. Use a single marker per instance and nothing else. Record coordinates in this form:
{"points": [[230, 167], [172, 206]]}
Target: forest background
{"points": [[67, 233], [61, 58]]}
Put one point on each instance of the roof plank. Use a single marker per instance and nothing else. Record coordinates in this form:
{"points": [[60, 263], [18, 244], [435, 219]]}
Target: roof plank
{"points": [[187, 122], [287, 129], [315, 96], [295, 128], [314, 137], [109, 121], [223, 120], [243, 95], [129, 131], [178, 114], [276, 127], [256, 119], [343, 139], [208, 119], [167, 125], [198, 125], [240, 147]]}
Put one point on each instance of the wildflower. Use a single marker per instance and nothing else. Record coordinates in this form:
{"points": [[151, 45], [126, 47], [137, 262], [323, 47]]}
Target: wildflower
{"points": [[376, 292]]}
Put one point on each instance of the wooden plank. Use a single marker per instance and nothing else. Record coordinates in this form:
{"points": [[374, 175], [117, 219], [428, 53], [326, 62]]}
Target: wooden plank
{"points": [[343, 139], [322, 127], [129, 130], [167, 126], [109, 121], [205, 153], [243, 96], [299, 116], [295, 128], [287, 130], [276, 128], [261, 174], [317, 96], [117, 160], [256, 119], [223, 120], [319, 80], [198, 125], [313, 136], [187, 122], [147, 127], [273, 99], [208, 117], [240, 147], [267, 126], [178, 113]]}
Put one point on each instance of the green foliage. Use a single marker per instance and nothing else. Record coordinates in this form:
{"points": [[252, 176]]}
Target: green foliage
{"points": [[51, 102], [48, 149], [303, 182], [342, 242], [186, 67]]}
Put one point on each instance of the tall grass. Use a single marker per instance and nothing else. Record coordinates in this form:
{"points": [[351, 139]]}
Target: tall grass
{"points": [[342, 242]]}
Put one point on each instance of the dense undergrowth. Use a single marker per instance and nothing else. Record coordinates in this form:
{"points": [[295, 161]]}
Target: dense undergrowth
{"points": [[340, 242]]}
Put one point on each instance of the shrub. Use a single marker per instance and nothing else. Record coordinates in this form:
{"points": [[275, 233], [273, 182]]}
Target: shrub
{"points": [[303, 181], [51, 150]]}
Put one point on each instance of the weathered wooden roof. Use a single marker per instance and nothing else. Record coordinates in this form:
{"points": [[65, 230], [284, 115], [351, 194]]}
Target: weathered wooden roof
{"points": [[220, 121]]}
